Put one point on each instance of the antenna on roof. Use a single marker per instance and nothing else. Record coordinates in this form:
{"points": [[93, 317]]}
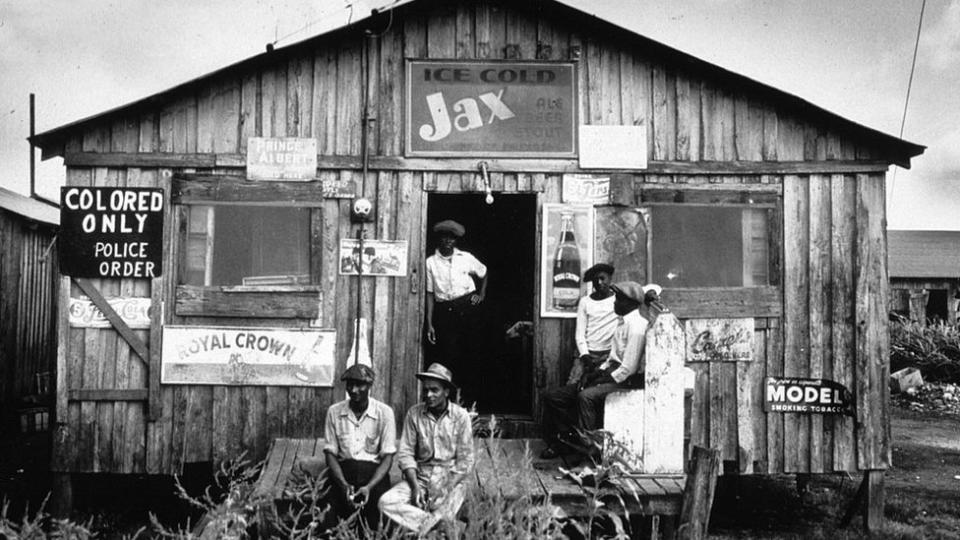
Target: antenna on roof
{"points": [[33, 149]]}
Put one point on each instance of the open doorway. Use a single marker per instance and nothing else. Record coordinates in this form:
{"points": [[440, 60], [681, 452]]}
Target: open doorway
{"points": [[502, 236]]}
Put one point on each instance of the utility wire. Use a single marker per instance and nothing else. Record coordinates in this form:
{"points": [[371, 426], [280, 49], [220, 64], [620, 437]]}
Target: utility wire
{"points": [[906, 101], [913, 66], [348, 6]]}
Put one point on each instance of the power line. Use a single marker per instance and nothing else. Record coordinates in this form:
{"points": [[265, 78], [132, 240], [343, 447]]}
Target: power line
{"points": [[906, 101], [913, 66]]}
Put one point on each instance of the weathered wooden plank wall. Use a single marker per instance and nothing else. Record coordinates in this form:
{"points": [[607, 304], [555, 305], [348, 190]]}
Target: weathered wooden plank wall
{"points": [[818, 323], [28, 288]]}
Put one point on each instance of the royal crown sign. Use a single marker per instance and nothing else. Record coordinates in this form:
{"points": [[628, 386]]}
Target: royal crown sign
{"points": [[491, 108]]}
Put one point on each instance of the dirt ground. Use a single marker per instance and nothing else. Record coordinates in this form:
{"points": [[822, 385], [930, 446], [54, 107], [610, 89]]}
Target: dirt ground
{"points": [[922, 492], [922, 501]]}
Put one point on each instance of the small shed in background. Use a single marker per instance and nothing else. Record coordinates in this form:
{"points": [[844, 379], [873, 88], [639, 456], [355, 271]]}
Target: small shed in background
{"points": [[924, 274], [28, 284]]}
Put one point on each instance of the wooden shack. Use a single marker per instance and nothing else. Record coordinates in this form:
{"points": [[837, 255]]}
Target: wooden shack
{"points": [[924, 274], [28, 305], [746, 204]]}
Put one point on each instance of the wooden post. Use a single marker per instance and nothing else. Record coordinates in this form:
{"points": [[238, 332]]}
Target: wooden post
{"points": [[61, 497], [918, 306], [698, 494], [873, 512]]}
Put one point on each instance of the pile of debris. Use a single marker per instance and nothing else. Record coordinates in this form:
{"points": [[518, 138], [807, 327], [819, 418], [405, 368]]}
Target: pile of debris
{"points": [[908, 390]]}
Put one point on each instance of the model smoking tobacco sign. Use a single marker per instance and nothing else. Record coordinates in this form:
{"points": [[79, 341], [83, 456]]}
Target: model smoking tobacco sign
{"points": [[111, 232], [817, 396], [490, 108]]}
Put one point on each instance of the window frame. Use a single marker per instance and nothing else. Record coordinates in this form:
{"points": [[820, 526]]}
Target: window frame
{"points": [[245, 301], [724, 302]]}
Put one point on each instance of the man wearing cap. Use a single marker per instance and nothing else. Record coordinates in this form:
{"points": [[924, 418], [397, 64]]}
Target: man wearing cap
{"points": [[361, 438], [596, 323], [452, 298], [579, 405], [435, 455]]}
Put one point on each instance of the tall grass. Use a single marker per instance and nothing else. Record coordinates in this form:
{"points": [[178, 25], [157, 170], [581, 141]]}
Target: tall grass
{"points": [[233, 511], [934, 349]]}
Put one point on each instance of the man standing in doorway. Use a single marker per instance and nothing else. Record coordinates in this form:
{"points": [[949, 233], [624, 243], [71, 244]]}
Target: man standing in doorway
{"points": [[361, 438], [435, 455], [579, 406], [452, 299]]}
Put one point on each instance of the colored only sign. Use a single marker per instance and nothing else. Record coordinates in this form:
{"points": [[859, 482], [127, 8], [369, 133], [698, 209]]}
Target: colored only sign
{"points": [[497, 109], [108, 232]]}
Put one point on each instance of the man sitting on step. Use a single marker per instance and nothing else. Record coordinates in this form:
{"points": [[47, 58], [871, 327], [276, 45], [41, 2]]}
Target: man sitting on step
{"points": [[435, 455]]}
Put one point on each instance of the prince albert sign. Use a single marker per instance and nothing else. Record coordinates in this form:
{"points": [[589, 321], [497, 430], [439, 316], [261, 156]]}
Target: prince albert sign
{"points": [[491, 108], [111, 232]]}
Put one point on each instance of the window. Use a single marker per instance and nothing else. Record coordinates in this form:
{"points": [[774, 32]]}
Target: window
{"points": [[229, 245], [695, 245]]}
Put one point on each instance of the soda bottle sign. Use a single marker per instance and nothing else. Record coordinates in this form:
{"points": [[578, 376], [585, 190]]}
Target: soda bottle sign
{"points": [[566, 267]]}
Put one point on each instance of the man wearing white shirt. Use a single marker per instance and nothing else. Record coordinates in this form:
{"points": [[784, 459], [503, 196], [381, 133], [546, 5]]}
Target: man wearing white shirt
{"points": [[578, 406], [361, 439], [452, 299], [596, 322]]}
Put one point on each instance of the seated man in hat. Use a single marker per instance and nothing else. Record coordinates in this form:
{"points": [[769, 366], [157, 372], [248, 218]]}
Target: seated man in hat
{"points": [[578, 406], [361, 438], [435, 455], [452, 297], [596, 323]]}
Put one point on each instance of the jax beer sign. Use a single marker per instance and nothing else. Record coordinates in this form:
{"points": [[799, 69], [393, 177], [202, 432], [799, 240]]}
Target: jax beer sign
{"points": [[108, 232], [491, 108], [811, 396]]}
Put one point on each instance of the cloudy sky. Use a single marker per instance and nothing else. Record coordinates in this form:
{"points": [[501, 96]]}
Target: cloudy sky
{"points": [[82, 57]]}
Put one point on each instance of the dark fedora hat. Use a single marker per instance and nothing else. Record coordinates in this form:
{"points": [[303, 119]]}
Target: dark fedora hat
{"points": [[592, 272]]}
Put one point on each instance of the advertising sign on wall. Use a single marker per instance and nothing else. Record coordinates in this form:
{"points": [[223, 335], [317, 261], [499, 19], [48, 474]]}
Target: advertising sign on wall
{"points": [[585, 189], [281, 158], [719, 340], [379, 257], [491, 108], [110, 232], [567, 252], [248, 356], [132, 310], [814, 396]]}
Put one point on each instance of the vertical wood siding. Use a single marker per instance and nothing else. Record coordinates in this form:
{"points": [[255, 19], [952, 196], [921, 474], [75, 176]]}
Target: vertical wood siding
{"points": [[833, 250], [28, 287]]}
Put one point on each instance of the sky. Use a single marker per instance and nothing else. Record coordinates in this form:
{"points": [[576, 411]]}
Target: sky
{"points": [[82, 57]]}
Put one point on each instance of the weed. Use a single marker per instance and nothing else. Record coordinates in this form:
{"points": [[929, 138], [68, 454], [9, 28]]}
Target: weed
{"points": [[933, 348]]}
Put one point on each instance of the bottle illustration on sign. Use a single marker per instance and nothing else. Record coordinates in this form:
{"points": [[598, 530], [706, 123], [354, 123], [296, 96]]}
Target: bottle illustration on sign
{"points": [[566, 267]]}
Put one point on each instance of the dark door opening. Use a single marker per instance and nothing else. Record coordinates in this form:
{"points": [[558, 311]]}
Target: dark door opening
{"points": [[937, 305], [502, 236]]}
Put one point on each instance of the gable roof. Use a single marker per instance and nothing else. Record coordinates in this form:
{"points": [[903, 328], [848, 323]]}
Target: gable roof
{"points": [[51, 141], [29, 208], [924, 254]]}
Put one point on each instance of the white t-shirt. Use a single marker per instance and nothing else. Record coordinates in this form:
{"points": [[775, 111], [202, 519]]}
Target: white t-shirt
{"points": [[596, 323], [449, 277]]}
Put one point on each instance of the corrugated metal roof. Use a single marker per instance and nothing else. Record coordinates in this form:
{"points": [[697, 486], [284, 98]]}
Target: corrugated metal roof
{"points": [[924, 254], [29, 208], [55, 136]]}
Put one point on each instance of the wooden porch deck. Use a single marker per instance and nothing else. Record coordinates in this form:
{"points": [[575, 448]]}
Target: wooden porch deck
{"points": [[508, 466]]}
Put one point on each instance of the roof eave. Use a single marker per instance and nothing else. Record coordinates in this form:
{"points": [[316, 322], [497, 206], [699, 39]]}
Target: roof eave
{"points": [[52, 142]]}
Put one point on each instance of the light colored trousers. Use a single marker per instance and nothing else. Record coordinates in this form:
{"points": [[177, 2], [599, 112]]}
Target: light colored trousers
{"points": [[442, 503]]}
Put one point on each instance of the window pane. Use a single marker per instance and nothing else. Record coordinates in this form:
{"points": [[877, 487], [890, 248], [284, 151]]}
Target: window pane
{"points": [[247, 245], [710, 246]]}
